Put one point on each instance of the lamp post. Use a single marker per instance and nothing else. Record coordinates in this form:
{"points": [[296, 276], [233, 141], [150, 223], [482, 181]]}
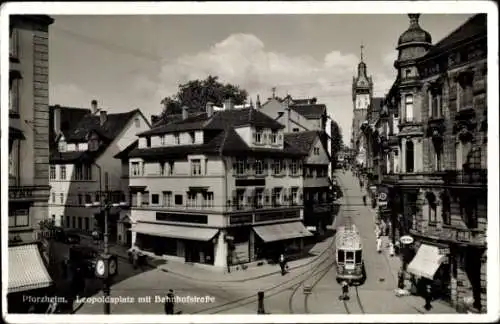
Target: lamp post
{"points": [[106, 265]]}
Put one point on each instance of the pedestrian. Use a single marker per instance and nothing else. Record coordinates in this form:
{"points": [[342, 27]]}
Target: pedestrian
{"points": [[428, 297], [169, 303], [364, 200], [345, 290], [282, 262], [379, 244], [401, 279]]}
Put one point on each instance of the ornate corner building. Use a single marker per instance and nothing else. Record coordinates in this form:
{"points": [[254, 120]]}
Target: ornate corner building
{"points": [[433, 153]]}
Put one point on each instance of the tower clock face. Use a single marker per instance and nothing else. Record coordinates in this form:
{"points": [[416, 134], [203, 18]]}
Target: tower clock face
{"points": [[362, 101]]}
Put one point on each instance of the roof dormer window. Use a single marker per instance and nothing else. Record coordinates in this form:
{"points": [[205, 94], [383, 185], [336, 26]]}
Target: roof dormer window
{"points": [[62, 146], [93, 144]]}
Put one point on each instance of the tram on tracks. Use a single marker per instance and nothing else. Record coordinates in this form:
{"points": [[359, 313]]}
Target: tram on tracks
{"points": [[349, 255]]}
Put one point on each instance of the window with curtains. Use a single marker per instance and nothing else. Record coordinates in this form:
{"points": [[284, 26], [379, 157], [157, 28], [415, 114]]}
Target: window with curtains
{"points": [[409, 108], [435, 103], [465, 94], [14, 96], [18, 217]]}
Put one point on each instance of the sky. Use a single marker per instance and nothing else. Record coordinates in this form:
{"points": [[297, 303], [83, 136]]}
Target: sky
{"points": [[129, 62]]}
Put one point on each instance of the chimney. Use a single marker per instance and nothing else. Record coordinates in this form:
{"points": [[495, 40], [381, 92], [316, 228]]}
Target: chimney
{"points": [[57, 119], [258, 102], [288, 119], [154, 119], [103, 117], [185, 112], [210, 109], [228, 104], [93, 106]]}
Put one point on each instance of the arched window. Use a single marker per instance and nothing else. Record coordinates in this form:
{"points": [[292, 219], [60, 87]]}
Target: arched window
{"points": [[409, 107], [410, 152]]}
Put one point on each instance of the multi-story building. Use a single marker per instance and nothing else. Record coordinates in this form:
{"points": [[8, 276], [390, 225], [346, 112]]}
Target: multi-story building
{"points": [[28, 156], [316, 188], [221, 188], [438, 188], [83, 169]]}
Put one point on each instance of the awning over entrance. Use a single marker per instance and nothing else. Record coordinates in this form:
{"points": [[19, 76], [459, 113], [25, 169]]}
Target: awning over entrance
{"points": [[280, 232], [426, 262], [179, 232], [26, 269]]}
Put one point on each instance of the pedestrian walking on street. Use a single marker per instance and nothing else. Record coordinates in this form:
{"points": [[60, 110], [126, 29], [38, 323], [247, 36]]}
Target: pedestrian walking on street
{"points": [[379, 244], [364, 200], [282, 262], [169, 303], [345, 291], [428, 297]]}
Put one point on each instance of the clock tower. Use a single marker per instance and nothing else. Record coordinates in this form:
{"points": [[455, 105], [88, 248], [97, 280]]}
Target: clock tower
{"points": [[362, 91]]}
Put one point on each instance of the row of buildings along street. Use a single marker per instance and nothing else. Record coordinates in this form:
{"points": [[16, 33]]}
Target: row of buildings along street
{"points": [[421, 153], [228, 187]]}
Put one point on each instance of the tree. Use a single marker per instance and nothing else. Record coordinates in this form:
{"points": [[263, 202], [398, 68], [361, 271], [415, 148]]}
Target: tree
{"points": [[196, 93], [337, 142]]}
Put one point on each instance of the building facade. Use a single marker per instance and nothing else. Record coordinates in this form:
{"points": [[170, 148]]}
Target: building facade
{"points": [[83, 169], [222, 188], [318, 208], [436, 176], [28, 253], [28, 125]]}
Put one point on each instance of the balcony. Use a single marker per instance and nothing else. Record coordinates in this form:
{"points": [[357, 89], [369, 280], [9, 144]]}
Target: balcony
{"points": [[472, 178], [28, 193], [452, 234], [435, 127]]}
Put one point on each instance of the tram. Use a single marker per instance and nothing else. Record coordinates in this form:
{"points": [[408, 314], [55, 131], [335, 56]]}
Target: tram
{"points": [[349, 255]]}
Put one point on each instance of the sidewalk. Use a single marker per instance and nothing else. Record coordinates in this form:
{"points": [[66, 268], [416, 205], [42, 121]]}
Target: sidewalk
{"points": [[393, 267]]}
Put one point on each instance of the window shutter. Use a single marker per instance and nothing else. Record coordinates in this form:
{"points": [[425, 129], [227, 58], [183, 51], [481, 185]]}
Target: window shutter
{"points": [[254, 136]]}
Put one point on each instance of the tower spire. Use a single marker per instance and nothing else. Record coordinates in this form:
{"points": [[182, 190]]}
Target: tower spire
{"points": [[362, 47], [274, 92]]}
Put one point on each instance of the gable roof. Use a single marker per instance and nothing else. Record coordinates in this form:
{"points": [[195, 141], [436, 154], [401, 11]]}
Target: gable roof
{"points": [[220, 120], [303, 141], [310, 110], [124, 153], [475, 27], [111, 128]]}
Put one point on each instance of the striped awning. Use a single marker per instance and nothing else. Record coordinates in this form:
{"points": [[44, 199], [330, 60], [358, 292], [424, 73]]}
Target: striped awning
{"points": [[203, 234], [281, 232], [26, 269]]}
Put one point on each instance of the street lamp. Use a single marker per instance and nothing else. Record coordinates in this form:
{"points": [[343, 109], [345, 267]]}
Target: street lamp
{"points": [[106, 264]]}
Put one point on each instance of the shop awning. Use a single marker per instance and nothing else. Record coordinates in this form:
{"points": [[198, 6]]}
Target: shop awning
{"points": [[280, 232], [426, 262], [26, 269], [178, 232]]}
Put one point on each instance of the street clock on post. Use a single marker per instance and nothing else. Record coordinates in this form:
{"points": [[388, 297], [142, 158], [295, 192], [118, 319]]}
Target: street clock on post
{"points": [[106, 266]]}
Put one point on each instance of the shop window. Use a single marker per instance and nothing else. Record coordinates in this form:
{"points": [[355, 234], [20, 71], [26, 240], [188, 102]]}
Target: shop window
{"points": [[178, 199]]}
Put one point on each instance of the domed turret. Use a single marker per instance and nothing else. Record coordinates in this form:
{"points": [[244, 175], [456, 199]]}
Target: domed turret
{"points": [[414, 33]]}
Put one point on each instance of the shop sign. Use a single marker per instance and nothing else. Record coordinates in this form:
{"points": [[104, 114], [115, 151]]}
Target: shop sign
{"points": [[240, 219], [406, 239]]}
